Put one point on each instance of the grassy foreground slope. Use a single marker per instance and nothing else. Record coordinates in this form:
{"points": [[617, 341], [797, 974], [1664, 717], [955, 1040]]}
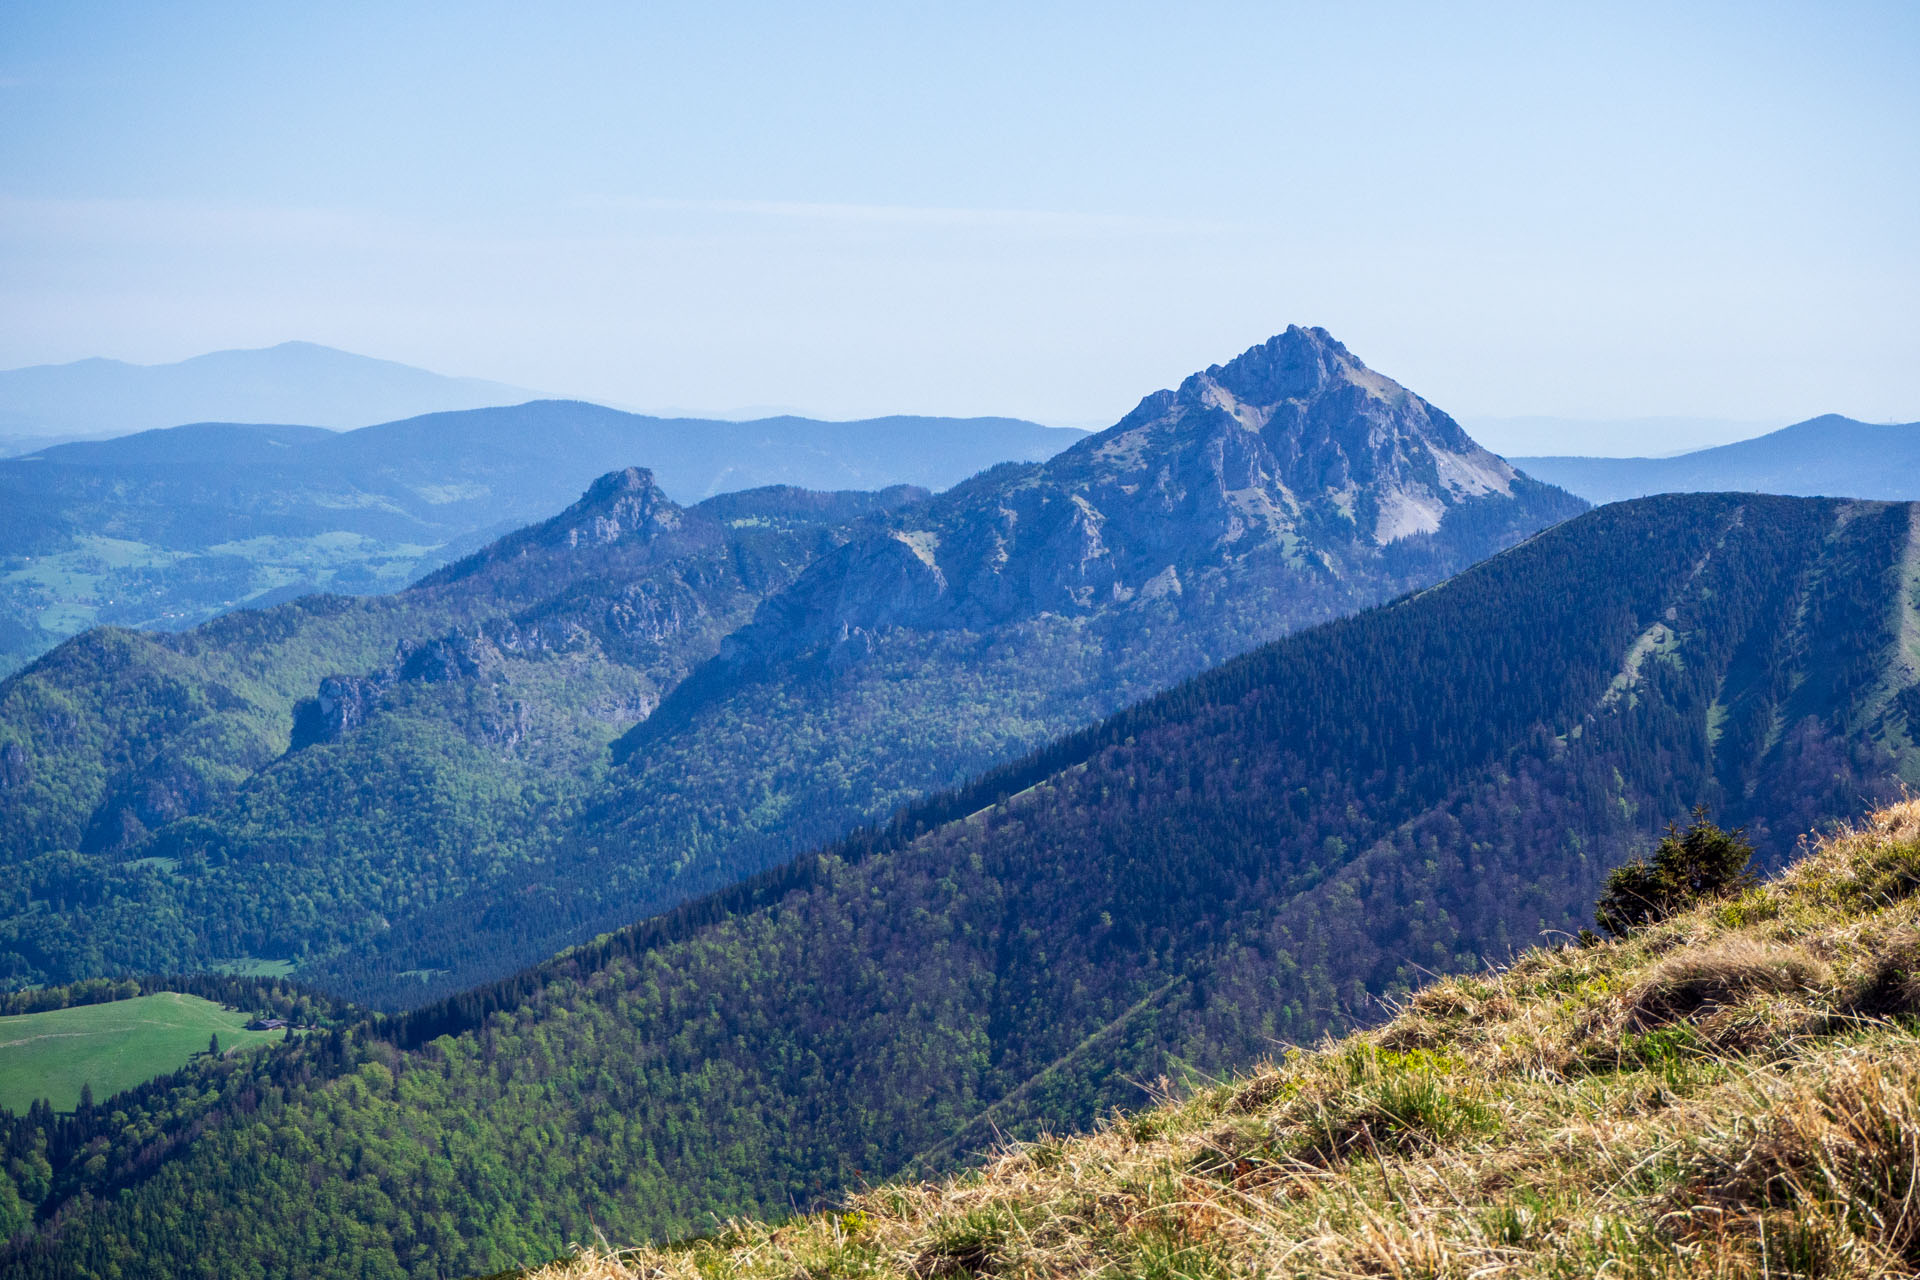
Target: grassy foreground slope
{"points": [[1735, 1092], [111, 1046]]}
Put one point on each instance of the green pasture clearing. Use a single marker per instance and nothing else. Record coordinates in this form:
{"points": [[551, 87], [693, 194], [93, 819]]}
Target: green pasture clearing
{"points": [[336, 548], [110, 1046], [96, 579], [254, 967]]}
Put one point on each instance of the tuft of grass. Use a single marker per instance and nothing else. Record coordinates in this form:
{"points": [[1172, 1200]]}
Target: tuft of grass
{"points": [[1392, 1107], [1703, 980], [1841, 1153], [1890, 985], [1733, 1091]]}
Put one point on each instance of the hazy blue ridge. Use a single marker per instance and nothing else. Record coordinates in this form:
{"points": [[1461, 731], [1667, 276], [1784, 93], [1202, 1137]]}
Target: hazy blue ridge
{"points": [[165, 528], [293, 382], [1828, 456]]}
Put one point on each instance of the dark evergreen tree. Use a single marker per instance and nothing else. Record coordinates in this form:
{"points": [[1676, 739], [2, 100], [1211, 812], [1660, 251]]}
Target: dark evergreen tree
{"points": [[1701, 862]]}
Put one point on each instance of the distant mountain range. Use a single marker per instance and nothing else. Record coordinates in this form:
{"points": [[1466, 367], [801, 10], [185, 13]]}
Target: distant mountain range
{"points": [[413, 792], [1658, 437], [1829, 456], [294, 382], [168, 527]]}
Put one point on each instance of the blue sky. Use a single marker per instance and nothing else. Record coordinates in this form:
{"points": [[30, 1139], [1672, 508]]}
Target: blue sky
{"points": [[1044, 210]]}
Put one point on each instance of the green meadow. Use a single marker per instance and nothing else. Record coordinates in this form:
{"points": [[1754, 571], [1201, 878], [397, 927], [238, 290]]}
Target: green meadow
{"points": [[111, 1046]]}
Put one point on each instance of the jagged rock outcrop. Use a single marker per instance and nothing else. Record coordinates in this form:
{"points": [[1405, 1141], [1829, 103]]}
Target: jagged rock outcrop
{"points": [[624, 559], [15, 770], [620, 507], [344, 703], [341, 705], [453, 656], [1294, 452]]}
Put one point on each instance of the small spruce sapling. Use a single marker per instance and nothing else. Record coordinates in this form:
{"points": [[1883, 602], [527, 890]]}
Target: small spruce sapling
{"points": [[1687, 866]]}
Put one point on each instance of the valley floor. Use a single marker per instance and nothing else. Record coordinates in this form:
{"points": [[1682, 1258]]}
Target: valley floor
{"points": [[1735, 1092]]}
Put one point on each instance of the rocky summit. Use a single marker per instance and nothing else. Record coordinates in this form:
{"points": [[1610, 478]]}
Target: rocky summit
{"points": [[1294, 463], [1323, 442]]}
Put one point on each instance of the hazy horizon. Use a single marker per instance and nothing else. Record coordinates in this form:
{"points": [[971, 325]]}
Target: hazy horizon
{"points": [[854, 212], [1527, 435]]}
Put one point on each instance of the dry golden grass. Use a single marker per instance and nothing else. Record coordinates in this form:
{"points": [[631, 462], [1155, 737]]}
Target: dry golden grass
{"points": [[1733, 1093]]}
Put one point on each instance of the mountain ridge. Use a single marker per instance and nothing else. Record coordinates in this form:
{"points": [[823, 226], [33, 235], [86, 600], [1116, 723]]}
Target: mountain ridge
{"points": [[302, 382], [208, 516], [1827, 456]]}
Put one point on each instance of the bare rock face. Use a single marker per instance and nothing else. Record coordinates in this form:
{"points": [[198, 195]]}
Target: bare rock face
{"points": [[1293, 453], [341, 705], [1294, 437], [620, 507], [15, 770], [620, 504], [647, 611], [454, 656]]}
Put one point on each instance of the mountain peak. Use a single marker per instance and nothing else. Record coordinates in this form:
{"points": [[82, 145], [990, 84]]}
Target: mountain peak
{"points": [[1293, 365], [1292, 465], [1337, 442], [621, 506], [618, 505], [611, 486]]}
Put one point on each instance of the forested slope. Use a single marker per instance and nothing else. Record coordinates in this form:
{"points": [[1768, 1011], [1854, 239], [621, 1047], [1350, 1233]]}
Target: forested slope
{"points": [[1732, 1092], [1290, 485], [1255, 856], [174, 800], [775, 669]]}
